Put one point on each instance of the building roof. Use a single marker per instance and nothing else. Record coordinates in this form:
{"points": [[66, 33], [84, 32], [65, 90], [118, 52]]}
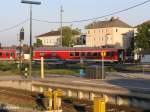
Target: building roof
{"points": [[51, 33], [113, 22]]}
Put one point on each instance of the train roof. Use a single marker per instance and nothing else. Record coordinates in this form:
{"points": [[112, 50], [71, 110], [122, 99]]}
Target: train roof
{"points": [[72, 48], [7, 49]]}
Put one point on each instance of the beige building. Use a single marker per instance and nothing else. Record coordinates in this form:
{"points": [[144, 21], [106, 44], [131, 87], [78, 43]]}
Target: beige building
{"points": [[112, 32], [50, 39]]}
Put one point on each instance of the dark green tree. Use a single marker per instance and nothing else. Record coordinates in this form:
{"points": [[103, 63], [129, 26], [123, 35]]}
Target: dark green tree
{"points": [[142, 38], [38, 43]]}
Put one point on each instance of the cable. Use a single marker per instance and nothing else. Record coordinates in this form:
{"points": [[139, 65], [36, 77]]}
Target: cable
{"points": [[76, 21], [15, 26], [84, 20]]}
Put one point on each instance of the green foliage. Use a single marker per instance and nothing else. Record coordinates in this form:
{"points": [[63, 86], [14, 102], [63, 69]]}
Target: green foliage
{"points": [[68, 36], [38, 43], [142, 38]]}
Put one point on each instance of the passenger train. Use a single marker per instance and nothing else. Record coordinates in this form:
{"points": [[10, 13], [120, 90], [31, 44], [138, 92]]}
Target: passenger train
{"points": [[64, 54], [8, 54], [87, 54]]}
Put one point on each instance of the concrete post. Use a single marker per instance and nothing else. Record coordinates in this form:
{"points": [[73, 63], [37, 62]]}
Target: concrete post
{"points": [[42, 68], [80, 95], [69, 93], [91, 97]]}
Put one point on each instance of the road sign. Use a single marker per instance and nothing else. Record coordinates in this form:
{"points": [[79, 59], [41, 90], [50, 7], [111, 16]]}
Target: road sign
{"points": [[103, 54]]}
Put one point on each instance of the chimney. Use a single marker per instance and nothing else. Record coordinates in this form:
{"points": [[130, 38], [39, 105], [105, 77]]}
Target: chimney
{"points": [[114, 18]]}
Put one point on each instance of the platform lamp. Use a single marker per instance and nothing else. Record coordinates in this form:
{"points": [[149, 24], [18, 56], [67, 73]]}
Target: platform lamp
{"points": [[31, 3]]}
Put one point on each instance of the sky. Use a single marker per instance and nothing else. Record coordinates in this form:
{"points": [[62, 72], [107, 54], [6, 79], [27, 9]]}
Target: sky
{"points": [[12, 12]]}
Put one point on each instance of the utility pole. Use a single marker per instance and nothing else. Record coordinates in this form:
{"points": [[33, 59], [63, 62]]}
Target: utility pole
{"points": [[31, 48], [61, 30]]}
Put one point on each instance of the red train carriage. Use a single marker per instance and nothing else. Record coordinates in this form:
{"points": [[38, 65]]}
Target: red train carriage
{"points": [[7, 54], [78, 54]]}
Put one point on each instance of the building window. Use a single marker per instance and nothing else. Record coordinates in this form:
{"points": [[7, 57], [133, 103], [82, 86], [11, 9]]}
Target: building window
{"points": [[88, 31], [116, 30]]}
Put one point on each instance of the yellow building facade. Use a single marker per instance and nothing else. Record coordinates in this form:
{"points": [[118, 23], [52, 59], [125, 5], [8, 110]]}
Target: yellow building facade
{"points": [[112, 32]]}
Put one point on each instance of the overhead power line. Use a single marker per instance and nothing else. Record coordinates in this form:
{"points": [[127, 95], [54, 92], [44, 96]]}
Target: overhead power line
{"points": [[84, 20], [75, 21], [15, 26]]}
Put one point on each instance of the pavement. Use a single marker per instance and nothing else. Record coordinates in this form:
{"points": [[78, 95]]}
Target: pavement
{"points": [[123, 80]]}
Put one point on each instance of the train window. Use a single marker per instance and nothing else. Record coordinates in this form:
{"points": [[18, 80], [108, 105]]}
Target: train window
{"points": [[11, 54], [76, 53], [42, 54], [82, 54], [0, 54], [7, 54], [72, 54], [88, 54], [110, 54], [95, 54], [53, 54]]}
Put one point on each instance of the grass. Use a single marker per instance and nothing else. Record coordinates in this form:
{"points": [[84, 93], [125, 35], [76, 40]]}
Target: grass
{"points": [[58, 71], [137, 68], [7, 68]]}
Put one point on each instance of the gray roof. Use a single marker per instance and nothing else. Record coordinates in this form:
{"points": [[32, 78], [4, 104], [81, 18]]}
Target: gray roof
{"points": [[51, 33], [113, 22], [71, 48]]}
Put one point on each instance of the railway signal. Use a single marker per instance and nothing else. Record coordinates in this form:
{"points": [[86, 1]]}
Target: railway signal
{"points": [[21, 34], [21, 38]]}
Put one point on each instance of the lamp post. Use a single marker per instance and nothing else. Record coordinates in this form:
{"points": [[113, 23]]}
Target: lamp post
{"points": [[30, 3]]}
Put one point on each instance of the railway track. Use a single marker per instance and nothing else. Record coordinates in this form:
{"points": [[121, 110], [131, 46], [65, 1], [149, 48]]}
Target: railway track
{"points": [[18, 100]]}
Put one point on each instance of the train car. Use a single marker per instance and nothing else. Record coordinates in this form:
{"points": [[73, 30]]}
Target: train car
{"points": [[7, 54], [79, 54]]}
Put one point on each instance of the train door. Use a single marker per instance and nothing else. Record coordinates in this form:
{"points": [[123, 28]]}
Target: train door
{"points": [[121, 55]]}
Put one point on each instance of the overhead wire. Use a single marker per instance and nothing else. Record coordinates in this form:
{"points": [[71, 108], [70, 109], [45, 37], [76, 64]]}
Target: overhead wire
{"points": [[90, 19], [76, 21], [15, 26]]}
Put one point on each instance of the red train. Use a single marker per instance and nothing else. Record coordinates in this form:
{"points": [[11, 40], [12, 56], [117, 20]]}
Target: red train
{"points": [[78, 54], [8, 54]]}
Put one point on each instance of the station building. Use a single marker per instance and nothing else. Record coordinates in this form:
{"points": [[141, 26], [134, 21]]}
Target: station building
{"points": [[113, 32]]}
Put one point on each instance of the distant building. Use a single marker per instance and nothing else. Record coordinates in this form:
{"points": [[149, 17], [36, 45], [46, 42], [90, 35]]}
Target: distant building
{"points": [[113, 32], [51, 38]]}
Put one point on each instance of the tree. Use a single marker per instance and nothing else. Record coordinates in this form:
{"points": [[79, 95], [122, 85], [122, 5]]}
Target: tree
{"points": [[142, 38], [68, 36], [38, 43]]}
